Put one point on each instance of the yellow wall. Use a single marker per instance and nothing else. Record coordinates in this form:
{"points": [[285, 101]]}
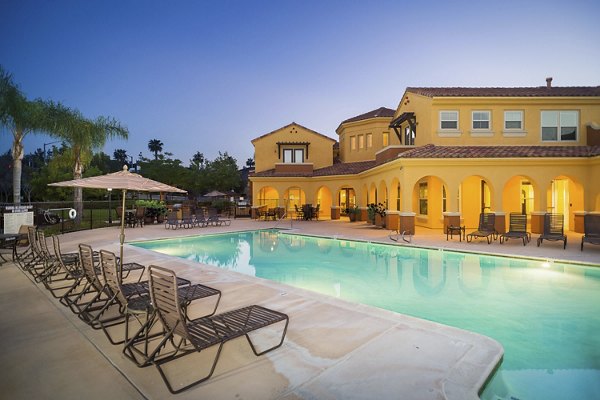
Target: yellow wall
{"points": [[266, 154], [374, 126]]}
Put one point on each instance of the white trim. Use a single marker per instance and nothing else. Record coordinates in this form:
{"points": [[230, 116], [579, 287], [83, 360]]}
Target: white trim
{"points": [[449, 133], [514, 133], [481, 133], [394, 146], [521, 129], [448, 129], [451, 214], [489, 121], [558, 134]]}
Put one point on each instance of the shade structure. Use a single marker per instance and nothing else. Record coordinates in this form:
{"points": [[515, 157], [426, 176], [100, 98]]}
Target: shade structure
{"points": [[122, 180]]}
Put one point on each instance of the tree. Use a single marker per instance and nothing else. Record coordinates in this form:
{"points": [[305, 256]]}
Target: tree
{"points": [[250, 162], [155, 146], [121, 156], [82, 136], [223, 173], [21, 117]]}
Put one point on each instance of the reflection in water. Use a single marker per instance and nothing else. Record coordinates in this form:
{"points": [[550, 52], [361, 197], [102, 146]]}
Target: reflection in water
{"points": [[547, 319]]}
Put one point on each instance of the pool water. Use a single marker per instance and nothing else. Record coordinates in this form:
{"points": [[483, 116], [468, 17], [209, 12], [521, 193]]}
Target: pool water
{"points": [[545, 314]]}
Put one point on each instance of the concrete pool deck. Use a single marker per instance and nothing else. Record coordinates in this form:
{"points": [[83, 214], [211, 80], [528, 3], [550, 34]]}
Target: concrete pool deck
{"points": [[333, 349]]}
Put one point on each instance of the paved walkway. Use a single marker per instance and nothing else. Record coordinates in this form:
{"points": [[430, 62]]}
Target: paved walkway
{"points": [[333, 349]]}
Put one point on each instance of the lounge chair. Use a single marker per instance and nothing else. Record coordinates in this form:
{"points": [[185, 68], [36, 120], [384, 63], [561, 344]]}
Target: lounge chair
{"points": [[553, 229], [486, 228], [299, 213], [215, 219], [517, 229], [172, 221], [202, 333], [591, 229]]}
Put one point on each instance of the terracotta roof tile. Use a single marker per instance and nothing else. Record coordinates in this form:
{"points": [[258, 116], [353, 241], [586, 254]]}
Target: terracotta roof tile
{"points": [[381, 112], [335, 169], [541, 91], [432, 151]]}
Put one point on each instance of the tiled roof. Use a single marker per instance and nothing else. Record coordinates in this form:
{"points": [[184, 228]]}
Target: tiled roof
{"points": [[541, 91], [380, 112], [335, 169], [432, 151]]}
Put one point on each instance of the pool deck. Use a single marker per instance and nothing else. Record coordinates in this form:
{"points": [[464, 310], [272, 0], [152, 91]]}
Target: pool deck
{"points": [[333, 349]]}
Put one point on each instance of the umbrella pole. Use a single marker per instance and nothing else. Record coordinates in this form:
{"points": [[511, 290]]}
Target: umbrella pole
{"points": [[122, 236]]}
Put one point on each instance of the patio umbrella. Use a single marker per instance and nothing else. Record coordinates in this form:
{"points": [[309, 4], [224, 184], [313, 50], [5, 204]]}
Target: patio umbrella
{"points": [[215, 193], [125, 181]]}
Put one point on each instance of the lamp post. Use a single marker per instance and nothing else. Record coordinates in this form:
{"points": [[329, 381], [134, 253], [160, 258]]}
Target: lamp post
{"points": [[109, 207], [47, 144]]}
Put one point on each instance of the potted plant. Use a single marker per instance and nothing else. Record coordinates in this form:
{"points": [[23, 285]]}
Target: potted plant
{"points": [[155, 210], [352, 213], [376, 214]]}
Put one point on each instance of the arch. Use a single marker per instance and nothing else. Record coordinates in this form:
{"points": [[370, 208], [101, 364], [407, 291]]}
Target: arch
{"points": [[382, 194], [395, 195], [324, 201], [268, 196], [518, 195], [565, 196], [428, 200], [364, 196], [296, 197], [372, 197], [346, 198], [476, 196]]}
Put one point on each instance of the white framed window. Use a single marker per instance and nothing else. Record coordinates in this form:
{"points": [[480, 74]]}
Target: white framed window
{"points": [[513, 120], [352, 142], [444, 200], [559, 126], [369, 140], [481, 120], [386, 139], [361, 141], [449, 120], [293, 156]]}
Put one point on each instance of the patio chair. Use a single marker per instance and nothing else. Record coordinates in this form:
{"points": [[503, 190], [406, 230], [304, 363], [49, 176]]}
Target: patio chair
{"points": [[299, 213], [486, 228], [591, 229], [203, 333], [213, 217], [517, 229], [553, 229], [140, 215], [200, 219], [172, 221], [187, 218]]}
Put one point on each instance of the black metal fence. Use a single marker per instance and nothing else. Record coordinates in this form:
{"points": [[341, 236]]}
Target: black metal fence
{"points": [[61, 216]]}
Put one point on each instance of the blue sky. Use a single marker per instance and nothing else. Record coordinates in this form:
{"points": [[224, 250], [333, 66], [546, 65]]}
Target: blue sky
{"points": [[210, 76]]}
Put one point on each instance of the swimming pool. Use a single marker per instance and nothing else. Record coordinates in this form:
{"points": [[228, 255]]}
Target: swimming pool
{"points": [[546, 315]]}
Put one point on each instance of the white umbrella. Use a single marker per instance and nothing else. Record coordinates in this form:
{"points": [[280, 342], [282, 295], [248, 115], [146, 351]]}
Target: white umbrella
{"points": [[125, 181]]}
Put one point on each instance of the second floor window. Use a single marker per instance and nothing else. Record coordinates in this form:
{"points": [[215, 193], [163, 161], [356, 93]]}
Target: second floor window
{"points": [[513, 120], [559, 125], [361, 141], [293, 156], [386, 139], [481, 120], [352, 142], [369, 140], [449, 120]]}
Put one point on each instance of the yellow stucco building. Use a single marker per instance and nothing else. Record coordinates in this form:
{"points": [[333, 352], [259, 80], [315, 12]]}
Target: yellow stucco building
{"points": [[442, 152]]}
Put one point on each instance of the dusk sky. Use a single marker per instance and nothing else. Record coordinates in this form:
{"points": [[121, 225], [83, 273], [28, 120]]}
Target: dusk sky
{"points": [[210, 76]]}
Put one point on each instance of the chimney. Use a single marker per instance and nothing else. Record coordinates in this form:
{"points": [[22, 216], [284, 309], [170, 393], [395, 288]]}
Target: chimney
{"points": [[549, 82]]}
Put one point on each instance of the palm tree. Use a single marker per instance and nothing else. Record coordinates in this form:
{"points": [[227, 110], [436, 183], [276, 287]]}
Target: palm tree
{"points": [[121, 156], [82, 136], [156, 147], [20, 116]]}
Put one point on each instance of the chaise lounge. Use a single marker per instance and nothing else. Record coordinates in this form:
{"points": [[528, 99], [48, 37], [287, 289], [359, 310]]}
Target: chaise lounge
{"points": [[203, 333], [517, 229], [553, 229], [591, 229], [486, 228]]}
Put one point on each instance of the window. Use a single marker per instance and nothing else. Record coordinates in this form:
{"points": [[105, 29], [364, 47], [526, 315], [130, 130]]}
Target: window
{"points": [[481, 120], [386, 139], [409, 136], [449, 120], [423, 198], [513, 120], [352, 142], [293, 156], [369, 140], [559, 125], [361, 141]]}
